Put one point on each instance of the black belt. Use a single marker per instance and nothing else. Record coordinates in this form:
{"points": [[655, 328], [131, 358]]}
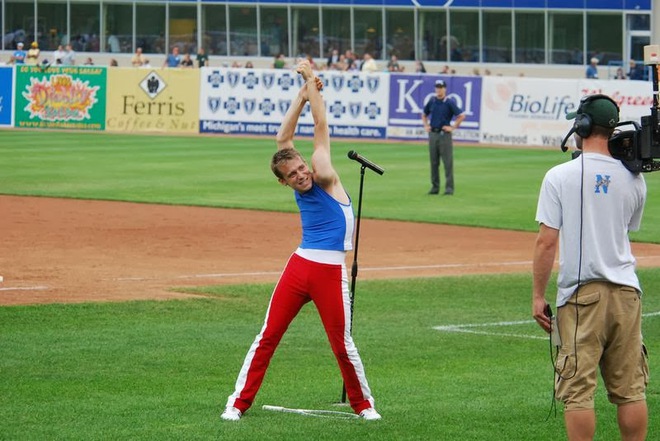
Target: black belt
{"points": [[436, 130]]}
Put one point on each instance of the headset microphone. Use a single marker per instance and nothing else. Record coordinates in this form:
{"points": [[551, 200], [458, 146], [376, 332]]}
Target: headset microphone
{"points": [[568, 135]]}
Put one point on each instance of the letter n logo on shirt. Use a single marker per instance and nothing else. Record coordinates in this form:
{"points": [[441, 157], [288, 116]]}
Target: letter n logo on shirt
{"points": [[602, 183]]}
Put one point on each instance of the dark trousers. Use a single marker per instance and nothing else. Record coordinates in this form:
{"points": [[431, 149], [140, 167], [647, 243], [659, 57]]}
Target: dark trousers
{"points": [[441, 148]]}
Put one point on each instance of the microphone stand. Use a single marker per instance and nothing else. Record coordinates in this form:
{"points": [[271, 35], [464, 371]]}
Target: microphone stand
{"points": [[354, 266]]}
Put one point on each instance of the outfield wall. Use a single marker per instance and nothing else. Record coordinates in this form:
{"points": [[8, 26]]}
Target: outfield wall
{"points": [[499, 110]]}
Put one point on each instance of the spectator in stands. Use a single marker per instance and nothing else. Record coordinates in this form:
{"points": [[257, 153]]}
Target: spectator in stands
{"points": [[619, 74], [333, 59], [138, 58], [419, 67], [113, 43], [279, 62], [113, 63], [173, 59], [351, 60], [187, 62], [89, 62], [249, 65], [592, 69], [58, 54], [635, 72], [69, 58], [393, 65], [32, 57], [368, 64], [19, 54], [352, 63], [202, 58]]}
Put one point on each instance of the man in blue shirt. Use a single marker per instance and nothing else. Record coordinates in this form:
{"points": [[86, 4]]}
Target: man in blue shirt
{"points": [[19, 54], [437, 115], [636, 72], [592, 69], [173, 59], [316, 271]]}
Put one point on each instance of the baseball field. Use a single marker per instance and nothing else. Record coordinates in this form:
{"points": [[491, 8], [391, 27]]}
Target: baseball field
{"points": [[137, 270]]}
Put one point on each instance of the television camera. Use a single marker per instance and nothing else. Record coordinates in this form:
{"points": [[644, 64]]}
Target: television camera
{"points": [[637, 148]]}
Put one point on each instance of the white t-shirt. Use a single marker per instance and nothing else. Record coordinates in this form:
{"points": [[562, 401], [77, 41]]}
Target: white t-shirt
{"points": [[596, 212], [58, 55]]}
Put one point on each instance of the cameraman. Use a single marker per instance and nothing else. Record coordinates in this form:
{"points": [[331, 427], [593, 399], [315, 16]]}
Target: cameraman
{"points": [[587, 206]]}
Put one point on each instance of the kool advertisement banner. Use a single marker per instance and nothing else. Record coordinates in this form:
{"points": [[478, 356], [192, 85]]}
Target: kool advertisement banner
{"points": [[526, 111], [409, 93], [252, 101], [68, 97], [6, 95], [153, 100]]}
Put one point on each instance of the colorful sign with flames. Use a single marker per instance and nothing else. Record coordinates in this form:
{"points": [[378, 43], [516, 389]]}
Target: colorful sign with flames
{"points": [[60, 97]]}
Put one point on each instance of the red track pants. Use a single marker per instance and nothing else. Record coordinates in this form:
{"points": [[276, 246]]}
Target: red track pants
{"points": [[327, 286]]}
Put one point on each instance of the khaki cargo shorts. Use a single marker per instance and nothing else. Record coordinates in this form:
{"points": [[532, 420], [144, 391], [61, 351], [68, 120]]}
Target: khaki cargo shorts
{"points": [[601, 326]]}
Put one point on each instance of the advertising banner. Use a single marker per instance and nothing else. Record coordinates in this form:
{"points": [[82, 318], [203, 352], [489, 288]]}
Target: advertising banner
{"points": [[635, 98], [153, 100], [6, 95], [68, 97], [250, 101], [409, 93], [521, 111], [532, 111]]}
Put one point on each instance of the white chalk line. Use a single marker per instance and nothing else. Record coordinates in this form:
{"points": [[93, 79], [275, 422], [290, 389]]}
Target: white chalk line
{"points": [[469, 328], [381, 268], [366, 269], [24, 288], [201, 276]]}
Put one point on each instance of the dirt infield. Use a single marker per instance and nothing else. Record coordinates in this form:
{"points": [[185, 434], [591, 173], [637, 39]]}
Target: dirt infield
{"points": [[63, 250]]}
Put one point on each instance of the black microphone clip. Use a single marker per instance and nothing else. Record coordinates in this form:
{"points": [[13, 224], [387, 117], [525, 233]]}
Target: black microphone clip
{"points": [[365, 162]]}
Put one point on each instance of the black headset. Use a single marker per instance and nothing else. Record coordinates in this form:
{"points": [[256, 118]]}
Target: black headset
{"points": [[583, 124]]}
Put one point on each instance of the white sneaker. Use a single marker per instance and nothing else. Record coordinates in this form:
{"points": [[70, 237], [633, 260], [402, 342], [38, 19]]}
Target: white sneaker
{"points": [[370, 414], [231, 414]]}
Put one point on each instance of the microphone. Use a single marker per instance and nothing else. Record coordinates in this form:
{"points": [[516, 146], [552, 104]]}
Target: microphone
{"points": [[365, 162], [568, 135]]}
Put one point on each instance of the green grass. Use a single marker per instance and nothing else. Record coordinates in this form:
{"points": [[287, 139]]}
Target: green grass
{"points": [[495, 187], [163, 370]]}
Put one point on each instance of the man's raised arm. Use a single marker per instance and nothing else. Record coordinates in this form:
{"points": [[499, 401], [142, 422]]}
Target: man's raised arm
{"points": [[324, 173], [285, 134]]}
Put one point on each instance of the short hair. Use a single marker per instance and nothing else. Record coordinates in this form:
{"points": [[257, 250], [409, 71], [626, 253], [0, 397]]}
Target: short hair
{"points": [[280, 157], [605, 132]]}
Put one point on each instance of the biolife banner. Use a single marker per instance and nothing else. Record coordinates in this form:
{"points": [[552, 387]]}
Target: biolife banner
{"points": [[532, 111], [68, 97], [251, 101], [409, 93], [153, 100], [6, 95], [520, 111]]}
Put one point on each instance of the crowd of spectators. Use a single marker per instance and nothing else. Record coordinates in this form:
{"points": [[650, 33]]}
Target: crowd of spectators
{"points": [[634, 72], [348, 61]]}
